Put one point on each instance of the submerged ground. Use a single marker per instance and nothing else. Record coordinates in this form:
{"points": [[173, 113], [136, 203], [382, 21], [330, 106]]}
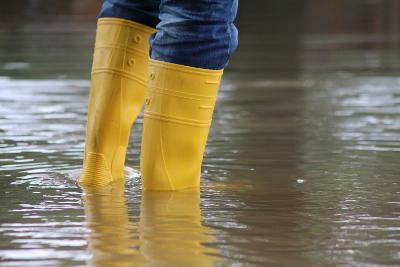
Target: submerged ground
{"points": [[301, 167]]}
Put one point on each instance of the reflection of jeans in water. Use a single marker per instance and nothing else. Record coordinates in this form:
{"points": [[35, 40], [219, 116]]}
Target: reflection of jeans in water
{"points": [[197, 33]]}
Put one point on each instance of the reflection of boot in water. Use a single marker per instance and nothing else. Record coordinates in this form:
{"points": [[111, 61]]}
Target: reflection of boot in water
{"points": [[111, 240], [171, 230]]}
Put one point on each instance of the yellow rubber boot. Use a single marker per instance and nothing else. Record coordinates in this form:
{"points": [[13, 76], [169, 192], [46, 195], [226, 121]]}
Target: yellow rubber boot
{"points": [[119, 81], [178, 111]]}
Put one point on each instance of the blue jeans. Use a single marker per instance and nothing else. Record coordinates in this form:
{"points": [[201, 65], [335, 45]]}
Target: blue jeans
{"points": [[196, 33]]}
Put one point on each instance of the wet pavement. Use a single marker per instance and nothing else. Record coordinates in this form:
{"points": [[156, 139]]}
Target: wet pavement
{"points": [[301, 166]]}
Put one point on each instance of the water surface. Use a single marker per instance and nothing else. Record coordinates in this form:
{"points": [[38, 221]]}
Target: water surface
{"points": [[301, 167]]}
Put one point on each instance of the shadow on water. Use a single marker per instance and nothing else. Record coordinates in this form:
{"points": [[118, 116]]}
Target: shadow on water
{"points": [[301, 167]]}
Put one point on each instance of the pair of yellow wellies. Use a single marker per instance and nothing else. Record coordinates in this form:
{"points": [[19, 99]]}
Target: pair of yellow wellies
{"points": [[179, 102]]}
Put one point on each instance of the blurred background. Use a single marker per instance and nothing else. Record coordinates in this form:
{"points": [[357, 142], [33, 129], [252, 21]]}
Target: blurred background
{"points": [[285, 37], [301, 165]]}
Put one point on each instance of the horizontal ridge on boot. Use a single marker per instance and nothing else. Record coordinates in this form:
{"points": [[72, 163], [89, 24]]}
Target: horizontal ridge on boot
{"points": [[122, 46], [193, 94]]}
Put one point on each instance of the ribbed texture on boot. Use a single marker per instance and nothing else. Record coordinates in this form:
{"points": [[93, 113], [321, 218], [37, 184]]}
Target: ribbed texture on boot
{"points": [[95, 171]]}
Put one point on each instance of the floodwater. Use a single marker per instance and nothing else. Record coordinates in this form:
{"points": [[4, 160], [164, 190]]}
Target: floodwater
{"points": [[301, 167]]}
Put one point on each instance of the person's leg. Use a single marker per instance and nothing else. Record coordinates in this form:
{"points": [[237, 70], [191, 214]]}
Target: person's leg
{"points": [[197, 33], [193, 44], [119, 81], [140, 11]]}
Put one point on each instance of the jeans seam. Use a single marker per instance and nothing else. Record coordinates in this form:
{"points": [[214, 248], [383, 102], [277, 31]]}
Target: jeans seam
{"points": [[229, 45]]}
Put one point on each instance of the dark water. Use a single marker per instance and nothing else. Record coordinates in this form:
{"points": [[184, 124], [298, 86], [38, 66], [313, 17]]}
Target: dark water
{"points": [[301, 167]]}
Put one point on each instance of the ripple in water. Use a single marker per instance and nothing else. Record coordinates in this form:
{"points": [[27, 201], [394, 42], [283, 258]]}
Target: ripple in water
{"points": [[297, 173]]}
